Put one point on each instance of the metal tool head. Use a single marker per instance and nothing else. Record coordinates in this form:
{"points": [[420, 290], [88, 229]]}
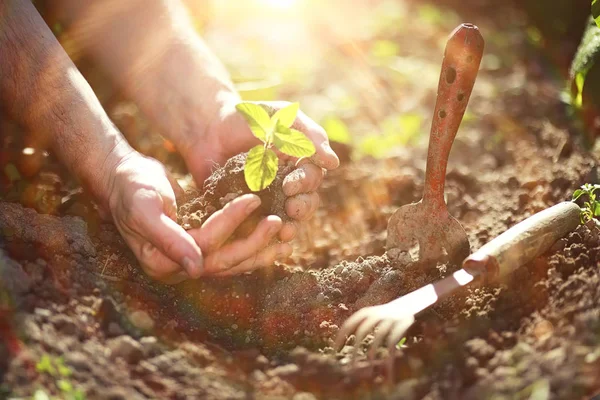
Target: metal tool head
{"points": [[438, 234]]}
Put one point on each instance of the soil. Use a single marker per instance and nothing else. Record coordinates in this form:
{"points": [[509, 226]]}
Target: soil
{"points": [[70, 288], [225, 184]]}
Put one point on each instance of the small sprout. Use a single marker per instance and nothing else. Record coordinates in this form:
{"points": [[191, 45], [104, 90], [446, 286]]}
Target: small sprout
{"points": [[41, 395], [56, 368], [63, 370], [401, 343], [64, 385], [591, 208], [45, 365], [274, 131]]}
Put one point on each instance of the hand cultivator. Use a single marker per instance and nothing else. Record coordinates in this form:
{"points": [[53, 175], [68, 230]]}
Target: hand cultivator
{"points": [[517, 246], [428, 221], [434, 229]]}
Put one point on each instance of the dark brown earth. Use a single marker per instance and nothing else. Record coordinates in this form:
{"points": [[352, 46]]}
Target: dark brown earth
{"points": [[225, 184], [70, 287]]}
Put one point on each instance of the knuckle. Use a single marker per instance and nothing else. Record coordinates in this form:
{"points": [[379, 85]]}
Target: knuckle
{"points": [[169, 246], [212, 243], [222, 266], [217, 264]]}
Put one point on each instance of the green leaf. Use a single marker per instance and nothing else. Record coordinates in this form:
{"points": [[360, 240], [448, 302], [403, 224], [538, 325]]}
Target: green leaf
{"points": [[337, 131], [286, 115], [577, 194], [579, 82], [292, 142], [41, 395], [410, 126], [596, 11], [261, 168], [257, 118], [585, 58], [596, 209], [384, 49], [401, 343], [64, 385], [12, 173], [45, 365], [63, 370], [78, 395]]}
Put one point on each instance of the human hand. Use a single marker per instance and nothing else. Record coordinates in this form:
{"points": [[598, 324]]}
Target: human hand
{"points": [[143, 206]]}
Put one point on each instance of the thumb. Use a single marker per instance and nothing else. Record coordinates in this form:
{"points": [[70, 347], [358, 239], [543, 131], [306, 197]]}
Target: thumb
{"points": [[324, 156]]}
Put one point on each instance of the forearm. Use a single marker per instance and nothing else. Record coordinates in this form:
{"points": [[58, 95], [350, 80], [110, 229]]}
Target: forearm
{"points": [[150, 48], [41, 89]]}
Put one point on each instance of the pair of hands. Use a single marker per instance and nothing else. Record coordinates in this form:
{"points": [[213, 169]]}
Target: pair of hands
{"points": [[143, 205]]}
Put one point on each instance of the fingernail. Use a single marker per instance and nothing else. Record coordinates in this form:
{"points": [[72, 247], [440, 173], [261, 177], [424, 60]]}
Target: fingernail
{"points": [[253, 205], [193, 269]]}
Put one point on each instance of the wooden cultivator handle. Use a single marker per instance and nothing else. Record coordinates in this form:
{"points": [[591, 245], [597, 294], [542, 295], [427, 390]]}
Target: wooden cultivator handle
{"points": [[523, 242], [459, 70]]}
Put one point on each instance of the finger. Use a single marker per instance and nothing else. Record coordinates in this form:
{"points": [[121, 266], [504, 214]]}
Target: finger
{"points": [[221, 225], [170, 239], [162, 269], [238, 251], [155, 264], [304, 179], [302, 206], [179, 192], [265, 258], [288, 231], [324, 157]]}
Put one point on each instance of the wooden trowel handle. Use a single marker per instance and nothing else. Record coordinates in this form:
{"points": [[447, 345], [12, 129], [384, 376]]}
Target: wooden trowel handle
{"points": [[459, 70], [523, 242]]}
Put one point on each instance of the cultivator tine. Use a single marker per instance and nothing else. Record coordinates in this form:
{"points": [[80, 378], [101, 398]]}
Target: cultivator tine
{"points": [[381, 333], [365, 327], [349, 327]]}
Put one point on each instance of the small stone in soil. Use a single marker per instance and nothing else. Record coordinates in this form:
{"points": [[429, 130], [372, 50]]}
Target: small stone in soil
{"points": [[126, 348]]}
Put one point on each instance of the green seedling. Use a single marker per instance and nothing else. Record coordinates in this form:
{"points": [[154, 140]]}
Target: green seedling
{"points": [[56, 368], [401, 343], [591, 208], [273, 131]]}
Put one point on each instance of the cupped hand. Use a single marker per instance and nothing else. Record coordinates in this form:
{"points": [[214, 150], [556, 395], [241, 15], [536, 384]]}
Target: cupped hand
{"points": [[143, 206], [228, 134]]}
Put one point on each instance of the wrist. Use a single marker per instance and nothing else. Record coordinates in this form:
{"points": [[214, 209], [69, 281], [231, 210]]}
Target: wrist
{"points": [[185, 92], [100, 173]]}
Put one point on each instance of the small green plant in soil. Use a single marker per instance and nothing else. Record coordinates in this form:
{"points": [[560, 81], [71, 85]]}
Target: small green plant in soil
{"points": [[56, 368], [401, 343], [591, 208], [273, 131]]}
